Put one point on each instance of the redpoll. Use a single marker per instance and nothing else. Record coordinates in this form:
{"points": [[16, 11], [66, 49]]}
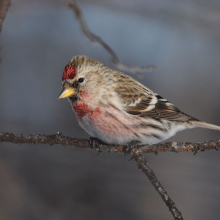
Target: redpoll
{"points": [[116, 109]]}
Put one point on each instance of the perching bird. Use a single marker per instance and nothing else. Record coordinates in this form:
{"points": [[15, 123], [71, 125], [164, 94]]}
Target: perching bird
{"points": [[117, 109]]}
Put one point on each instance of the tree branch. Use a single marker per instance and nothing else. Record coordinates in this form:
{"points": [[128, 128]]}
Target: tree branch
{"points": [[143, 165], [59, 138], [178, 147], [136, 152], [4, 5], [94, 38]]}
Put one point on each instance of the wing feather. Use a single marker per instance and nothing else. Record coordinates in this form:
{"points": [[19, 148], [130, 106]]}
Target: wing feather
{"points": [[141, 101]]}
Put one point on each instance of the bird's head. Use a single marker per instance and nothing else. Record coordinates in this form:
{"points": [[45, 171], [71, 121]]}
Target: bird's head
{"points": [[82, 75]]}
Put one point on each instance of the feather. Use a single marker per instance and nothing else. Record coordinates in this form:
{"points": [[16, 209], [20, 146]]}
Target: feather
{"points": [[141, 101]]}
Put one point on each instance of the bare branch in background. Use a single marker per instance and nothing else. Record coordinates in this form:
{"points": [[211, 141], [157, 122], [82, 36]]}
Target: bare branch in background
{"points": [[4, 5], [94, 38], [136, 152]]}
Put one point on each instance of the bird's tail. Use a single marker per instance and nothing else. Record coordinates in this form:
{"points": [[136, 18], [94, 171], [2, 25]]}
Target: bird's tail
{"points": [[202, 124]]}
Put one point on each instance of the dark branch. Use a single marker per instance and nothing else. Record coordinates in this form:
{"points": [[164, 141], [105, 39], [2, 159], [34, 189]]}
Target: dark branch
{"points": [[97, 145], [136, 152], [94, 38], [4, 4], [178, 147], [143, 165]]}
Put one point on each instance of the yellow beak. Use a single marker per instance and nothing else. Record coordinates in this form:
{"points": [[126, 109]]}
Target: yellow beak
{"points": [[67, 92]]}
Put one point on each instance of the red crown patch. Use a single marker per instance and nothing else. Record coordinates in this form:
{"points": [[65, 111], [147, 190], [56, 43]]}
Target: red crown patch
{"points": [[69, 72]]}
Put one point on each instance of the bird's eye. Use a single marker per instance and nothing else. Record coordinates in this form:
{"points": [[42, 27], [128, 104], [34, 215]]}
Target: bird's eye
{"points": [[80, 80]]}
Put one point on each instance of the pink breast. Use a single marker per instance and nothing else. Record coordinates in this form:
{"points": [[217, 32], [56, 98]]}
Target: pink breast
{"points": [[81, 109]]}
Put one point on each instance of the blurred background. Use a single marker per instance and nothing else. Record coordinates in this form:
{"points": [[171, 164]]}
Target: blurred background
{"points": [[182, 38]]}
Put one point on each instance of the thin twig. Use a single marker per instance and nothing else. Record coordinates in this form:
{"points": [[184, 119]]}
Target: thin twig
{"points": [[143, 165], [136, 152], [4, 5], [178, 147], [59, 138], [94, 38]]}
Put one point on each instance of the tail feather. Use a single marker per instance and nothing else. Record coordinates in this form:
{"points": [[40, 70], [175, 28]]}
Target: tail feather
{"points": [[202, 124]]}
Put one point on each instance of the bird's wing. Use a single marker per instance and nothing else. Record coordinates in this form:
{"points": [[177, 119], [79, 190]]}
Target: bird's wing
{"points": [[139, 100]]}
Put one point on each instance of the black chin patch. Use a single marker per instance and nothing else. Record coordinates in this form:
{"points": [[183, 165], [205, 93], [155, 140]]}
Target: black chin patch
{"points": [[73, 98]]}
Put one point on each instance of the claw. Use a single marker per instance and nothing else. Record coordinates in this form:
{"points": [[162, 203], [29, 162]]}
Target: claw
{"points": [[98, 153], [94, 143], [132, 157], [129, 146]]}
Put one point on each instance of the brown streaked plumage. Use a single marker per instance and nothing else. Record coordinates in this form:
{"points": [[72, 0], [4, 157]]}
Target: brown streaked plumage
{"points": [[117, 109]]}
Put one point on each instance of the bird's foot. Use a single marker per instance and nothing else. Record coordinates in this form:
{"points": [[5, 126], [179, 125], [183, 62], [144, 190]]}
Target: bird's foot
{"points": [[129, 146], [95, 144]]}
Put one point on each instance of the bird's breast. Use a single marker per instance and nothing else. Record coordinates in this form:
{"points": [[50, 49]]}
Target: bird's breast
{"points": [[81, 109], [85, 104]]}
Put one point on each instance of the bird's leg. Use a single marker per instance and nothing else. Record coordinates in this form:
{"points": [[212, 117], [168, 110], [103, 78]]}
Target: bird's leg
{"points": [[95, 143]]}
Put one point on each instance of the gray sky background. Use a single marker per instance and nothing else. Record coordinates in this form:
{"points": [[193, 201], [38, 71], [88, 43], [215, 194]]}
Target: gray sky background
{"points": [[43, 182]]}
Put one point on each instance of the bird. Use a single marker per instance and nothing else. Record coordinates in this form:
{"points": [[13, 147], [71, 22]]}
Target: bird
{"points": [[116, 109]]}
